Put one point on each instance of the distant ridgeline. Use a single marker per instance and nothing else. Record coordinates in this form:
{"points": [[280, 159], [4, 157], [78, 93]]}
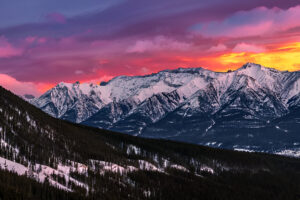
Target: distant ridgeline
{"points": [[253, 108], [42, 157]]}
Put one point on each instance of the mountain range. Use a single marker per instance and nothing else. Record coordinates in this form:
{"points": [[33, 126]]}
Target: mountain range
{"points": [[42, 157], [253, 108]]}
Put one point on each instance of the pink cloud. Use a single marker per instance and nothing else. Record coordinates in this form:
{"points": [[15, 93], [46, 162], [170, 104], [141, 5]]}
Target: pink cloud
{"points": [[218, 48], [30, 39], [244, 47], [157, 44], [41, 40], [35, 39], [255, 22], [18, 87], [250, 30], [8, 50]]}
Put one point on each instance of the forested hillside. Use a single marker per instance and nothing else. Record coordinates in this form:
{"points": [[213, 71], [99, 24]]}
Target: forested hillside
{"points": [[46, 158]]}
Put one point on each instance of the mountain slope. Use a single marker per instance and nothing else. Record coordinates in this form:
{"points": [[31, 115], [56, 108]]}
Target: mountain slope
{"points": [[98, 164]]}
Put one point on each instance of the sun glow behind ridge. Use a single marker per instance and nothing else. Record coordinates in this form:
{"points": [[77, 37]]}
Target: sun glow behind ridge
{"points": [[284, 57]]}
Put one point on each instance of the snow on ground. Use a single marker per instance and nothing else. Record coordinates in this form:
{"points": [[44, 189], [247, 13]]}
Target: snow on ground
{"points": [[289, 152], [44, 171], [244, 150], [31, 121], [59, 186], [41, 173], [179, 167], [147, 193], [111, 167], [207, 169], [73, 167], [13, 166], [115, 168], [147, 166], [6, 145], [133, 149]]}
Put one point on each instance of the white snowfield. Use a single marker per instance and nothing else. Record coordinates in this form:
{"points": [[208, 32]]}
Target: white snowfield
{"points": [[13, 166]]}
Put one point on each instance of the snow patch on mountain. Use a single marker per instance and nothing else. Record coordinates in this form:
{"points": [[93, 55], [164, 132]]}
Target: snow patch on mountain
{"points": [[289, 152]]}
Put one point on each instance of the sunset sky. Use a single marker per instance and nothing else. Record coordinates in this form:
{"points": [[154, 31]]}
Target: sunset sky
{"points": [[44, 42]]}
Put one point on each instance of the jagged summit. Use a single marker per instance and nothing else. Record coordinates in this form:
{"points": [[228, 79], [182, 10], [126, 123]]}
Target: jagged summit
{"points": [[257, 67], [249, 65]]}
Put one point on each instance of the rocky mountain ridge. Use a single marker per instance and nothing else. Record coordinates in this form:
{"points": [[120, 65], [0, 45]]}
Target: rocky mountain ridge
{"points": [[206, 104]]}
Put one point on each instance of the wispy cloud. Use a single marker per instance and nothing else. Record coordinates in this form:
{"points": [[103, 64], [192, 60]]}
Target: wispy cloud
{"points": [[159, 43], [253, 22], [218, 48], [7, 50], [244, 47]]}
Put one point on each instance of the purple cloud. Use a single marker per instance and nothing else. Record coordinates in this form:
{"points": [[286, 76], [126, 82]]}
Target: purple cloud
{"points": [[7, 50], [56, 17], [254, 22]]}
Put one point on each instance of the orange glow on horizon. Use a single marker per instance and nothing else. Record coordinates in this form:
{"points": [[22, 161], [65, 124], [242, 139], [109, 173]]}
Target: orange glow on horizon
{"points": [[285, 57]]}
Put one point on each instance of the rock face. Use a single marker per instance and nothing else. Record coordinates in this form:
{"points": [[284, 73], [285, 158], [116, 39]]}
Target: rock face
{"points": [[249, 108]]}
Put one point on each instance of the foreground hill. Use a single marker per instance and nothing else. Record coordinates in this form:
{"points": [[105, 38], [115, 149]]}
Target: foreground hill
{"points": [[56, 159], [239, 109]]}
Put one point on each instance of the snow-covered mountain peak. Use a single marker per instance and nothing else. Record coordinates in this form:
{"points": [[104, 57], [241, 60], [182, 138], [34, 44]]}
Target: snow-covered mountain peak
{"points": [[63, 84], [79, 101], [253, 67], [267, 77], [71, 100]]}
